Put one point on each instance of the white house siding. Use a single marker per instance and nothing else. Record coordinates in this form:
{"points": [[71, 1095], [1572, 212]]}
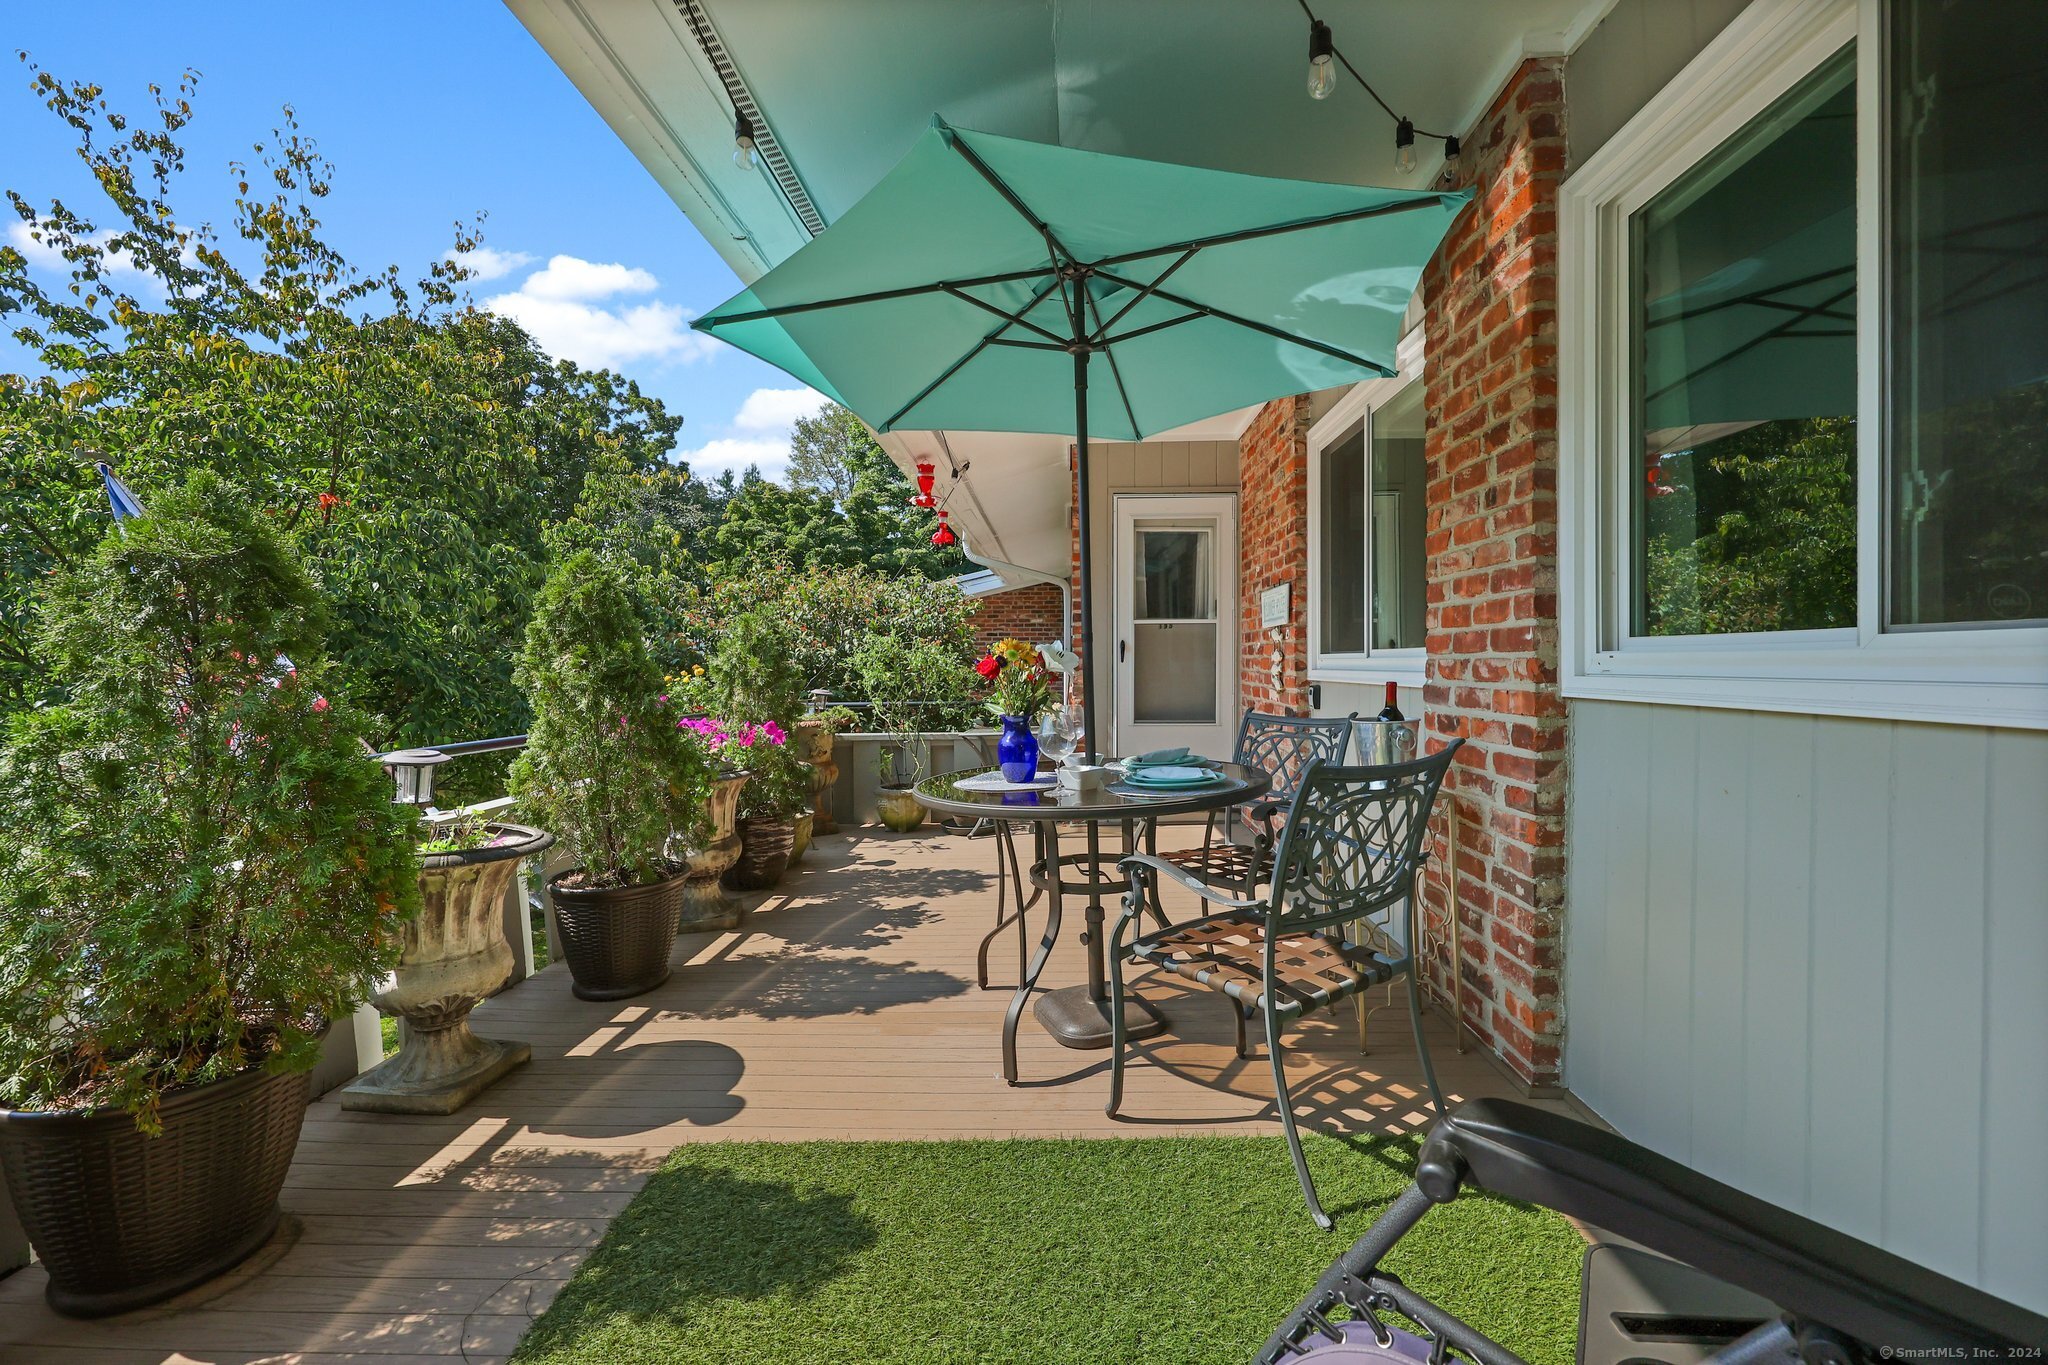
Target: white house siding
{"points": [[1809, 956]]}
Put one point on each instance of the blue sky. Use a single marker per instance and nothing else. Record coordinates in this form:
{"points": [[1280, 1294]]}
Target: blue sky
{"points": [[431, 112]]}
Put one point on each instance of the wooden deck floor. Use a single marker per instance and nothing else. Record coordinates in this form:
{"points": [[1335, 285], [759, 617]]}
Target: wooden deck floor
{"points": [[846, 1009]]}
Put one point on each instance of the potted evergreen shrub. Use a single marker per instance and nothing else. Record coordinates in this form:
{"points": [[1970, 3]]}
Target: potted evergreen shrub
{"points": [[607, 771], [199, 869], [759, 695]]}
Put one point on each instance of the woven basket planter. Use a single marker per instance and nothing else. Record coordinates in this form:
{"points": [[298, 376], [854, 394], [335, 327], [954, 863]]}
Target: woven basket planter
{"points": [[121, 1220], [617, 940], [764, 854]]}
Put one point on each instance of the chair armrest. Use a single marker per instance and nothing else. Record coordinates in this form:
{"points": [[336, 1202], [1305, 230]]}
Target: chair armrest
{"points": [[1137, 862], [1266, 810]]}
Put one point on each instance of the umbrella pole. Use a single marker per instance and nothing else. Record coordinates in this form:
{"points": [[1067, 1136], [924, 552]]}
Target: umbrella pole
{"points": [[1087, 573]]}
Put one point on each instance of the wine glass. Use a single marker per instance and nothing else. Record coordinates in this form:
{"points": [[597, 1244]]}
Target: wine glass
{"points": [[1056, 736]]}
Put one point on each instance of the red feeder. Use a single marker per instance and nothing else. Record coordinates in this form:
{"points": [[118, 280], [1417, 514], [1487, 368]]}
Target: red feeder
{"points": [[926, 472], [944, 535]]}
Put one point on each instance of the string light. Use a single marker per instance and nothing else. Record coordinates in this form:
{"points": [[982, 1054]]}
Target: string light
{"points": [[743, 154], [1323, 58]]}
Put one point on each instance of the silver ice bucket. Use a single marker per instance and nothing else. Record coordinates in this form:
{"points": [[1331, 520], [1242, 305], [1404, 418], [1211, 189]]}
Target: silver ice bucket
{"points": [[1383, 742]]}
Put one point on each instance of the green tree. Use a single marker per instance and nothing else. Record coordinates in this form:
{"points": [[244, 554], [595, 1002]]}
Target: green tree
{"points": [[831, 452], [412, 447]]}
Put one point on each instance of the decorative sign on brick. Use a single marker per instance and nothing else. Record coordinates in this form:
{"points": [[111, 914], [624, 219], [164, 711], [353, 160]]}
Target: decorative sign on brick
{"points": [[1273, 605]]}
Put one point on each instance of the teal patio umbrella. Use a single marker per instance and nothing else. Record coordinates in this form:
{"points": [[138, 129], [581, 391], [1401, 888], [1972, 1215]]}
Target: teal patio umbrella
{"points": [[976, 287]]}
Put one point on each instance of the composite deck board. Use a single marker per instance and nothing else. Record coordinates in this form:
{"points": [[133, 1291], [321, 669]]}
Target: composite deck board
{"points": [[846, 1009]]}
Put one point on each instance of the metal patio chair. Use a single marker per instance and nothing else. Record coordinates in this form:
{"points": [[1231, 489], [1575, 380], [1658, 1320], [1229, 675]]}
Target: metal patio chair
{"points": [[1285, 746], [1349, 853]]}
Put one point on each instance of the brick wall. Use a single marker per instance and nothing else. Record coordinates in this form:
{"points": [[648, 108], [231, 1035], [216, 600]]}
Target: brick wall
{"points": [[1031, 612], [1490, 307], [1273, 548]]}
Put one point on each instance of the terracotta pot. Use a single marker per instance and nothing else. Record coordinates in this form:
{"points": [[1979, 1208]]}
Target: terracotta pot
{"points": [[617, 941], [764, 854], [705, 905], [800, 843], [451, 955], [121, 1220], [900, 809], [815, 740]]}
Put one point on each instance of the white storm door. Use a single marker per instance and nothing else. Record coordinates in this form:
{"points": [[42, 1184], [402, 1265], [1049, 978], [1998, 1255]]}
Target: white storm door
{"points": [[1173, 646]]}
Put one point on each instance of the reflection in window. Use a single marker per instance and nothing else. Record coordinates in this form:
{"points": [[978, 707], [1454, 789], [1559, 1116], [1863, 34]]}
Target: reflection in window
{"points": [[1745, 376], [1340, 535], [1968, 508], [1399, 592]]}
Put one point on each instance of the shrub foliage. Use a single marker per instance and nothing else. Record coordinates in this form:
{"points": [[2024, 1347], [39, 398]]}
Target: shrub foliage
{"points": [[199, 866], [606, 768]]}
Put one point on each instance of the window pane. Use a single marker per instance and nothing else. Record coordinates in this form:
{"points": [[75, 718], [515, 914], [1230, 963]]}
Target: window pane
{"points": [[1173, 578], [1343, 546], [1173, 667], [1968, 511], [1398, 522], [1745, 376]]}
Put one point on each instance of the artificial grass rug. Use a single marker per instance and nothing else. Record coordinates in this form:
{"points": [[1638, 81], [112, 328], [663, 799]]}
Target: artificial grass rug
{"points": [[1179, 1251]]}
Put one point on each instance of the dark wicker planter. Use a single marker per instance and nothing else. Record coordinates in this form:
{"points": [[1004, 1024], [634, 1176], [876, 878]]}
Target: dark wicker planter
{"points": [[617, 940], [764, 854], [121, 1220]]}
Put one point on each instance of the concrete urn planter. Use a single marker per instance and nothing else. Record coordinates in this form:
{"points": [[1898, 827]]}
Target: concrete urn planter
{"points": [[814, 745], [900, 809], [452, 955], [705, 904]]}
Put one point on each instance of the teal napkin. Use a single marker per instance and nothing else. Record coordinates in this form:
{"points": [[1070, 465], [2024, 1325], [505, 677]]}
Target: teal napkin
{"points": [[1158, 757]]}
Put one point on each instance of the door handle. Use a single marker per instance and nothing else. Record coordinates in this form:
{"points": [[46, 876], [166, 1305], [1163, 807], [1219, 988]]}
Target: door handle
{"points": [[1120, 650]]}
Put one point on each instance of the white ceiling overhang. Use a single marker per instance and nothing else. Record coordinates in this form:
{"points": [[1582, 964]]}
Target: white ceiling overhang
{"points": [[844, 89]]}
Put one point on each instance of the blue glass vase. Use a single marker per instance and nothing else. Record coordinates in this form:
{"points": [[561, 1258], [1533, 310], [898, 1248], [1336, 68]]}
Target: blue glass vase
{"points": [[1017, 750]]}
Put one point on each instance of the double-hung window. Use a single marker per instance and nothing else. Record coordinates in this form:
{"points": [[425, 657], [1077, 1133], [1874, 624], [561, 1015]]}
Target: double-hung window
{"points": [[1367, 522], [1804, 372]]}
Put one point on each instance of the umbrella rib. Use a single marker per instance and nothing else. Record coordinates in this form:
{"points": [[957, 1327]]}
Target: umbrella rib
{"points": [[1088, 307], [1143, 294], [973, 351], [878, 296], [1056, 248], [1260, 327], [1017, 318], [1276, 229]]}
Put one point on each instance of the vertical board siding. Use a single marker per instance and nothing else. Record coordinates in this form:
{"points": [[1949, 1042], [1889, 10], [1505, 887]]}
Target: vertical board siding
{"points": [[1809, 956]]}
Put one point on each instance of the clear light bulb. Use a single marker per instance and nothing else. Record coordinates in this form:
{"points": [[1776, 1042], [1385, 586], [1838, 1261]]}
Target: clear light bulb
{"points": [[1322, 65], [743, 154], [1404, 147]]}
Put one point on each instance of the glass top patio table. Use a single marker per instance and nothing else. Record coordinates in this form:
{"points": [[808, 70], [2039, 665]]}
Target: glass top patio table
{"points": [[1078, 1016]]}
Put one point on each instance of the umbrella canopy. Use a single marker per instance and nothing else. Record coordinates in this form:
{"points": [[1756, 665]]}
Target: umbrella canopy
{"points": [[977, 286]]}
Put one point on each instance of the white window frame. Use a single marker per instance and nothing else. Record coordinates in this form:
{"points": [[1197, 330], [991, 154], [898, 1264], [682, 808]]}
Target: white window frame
{"points": [[1985, 675], [1355, 410]]}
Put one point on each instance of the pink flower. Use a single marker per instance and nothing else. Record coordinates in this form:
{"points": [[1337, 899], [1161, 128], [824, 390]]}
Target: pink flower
{"points": [[319, 703]]}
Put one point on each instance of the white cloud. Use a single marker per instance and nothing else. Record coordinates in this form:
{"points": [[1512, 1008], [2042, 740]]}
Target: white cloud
{"points": [[570, 277], [488, 263], [558, 305], [776, 409], [713, 458], [45, 256]]}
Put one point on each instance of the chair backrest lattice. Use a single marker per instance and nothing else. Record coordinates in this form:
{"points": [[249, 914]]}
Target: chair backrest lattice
{"points": [[1285, 746], [1354, 841]]}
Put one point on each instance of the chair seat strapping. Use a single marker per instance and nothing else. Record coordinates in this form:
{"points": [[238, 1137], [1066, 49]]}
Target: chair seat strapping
{"points": [[1222, 863], [1228, 954]]}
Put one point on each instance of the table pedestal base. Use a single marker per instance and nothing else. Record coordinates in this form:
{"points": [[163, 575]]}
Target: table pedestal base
{"points": [[1077, 1020]]}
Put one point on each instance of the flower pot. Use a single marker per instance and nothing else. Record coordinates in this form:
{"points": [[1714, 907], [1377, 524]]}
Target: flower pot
{"points": [[800, 842], [706, 907], [764, 854], [451, 955], [816, 740], [617, 940], [1017, 750], [899, 808], [121, 1220]]}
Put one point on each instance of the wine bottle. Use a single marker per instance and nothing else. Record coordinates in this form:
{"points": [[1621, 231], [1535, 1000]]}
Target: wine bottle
{"points": [[1392, 710]]}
